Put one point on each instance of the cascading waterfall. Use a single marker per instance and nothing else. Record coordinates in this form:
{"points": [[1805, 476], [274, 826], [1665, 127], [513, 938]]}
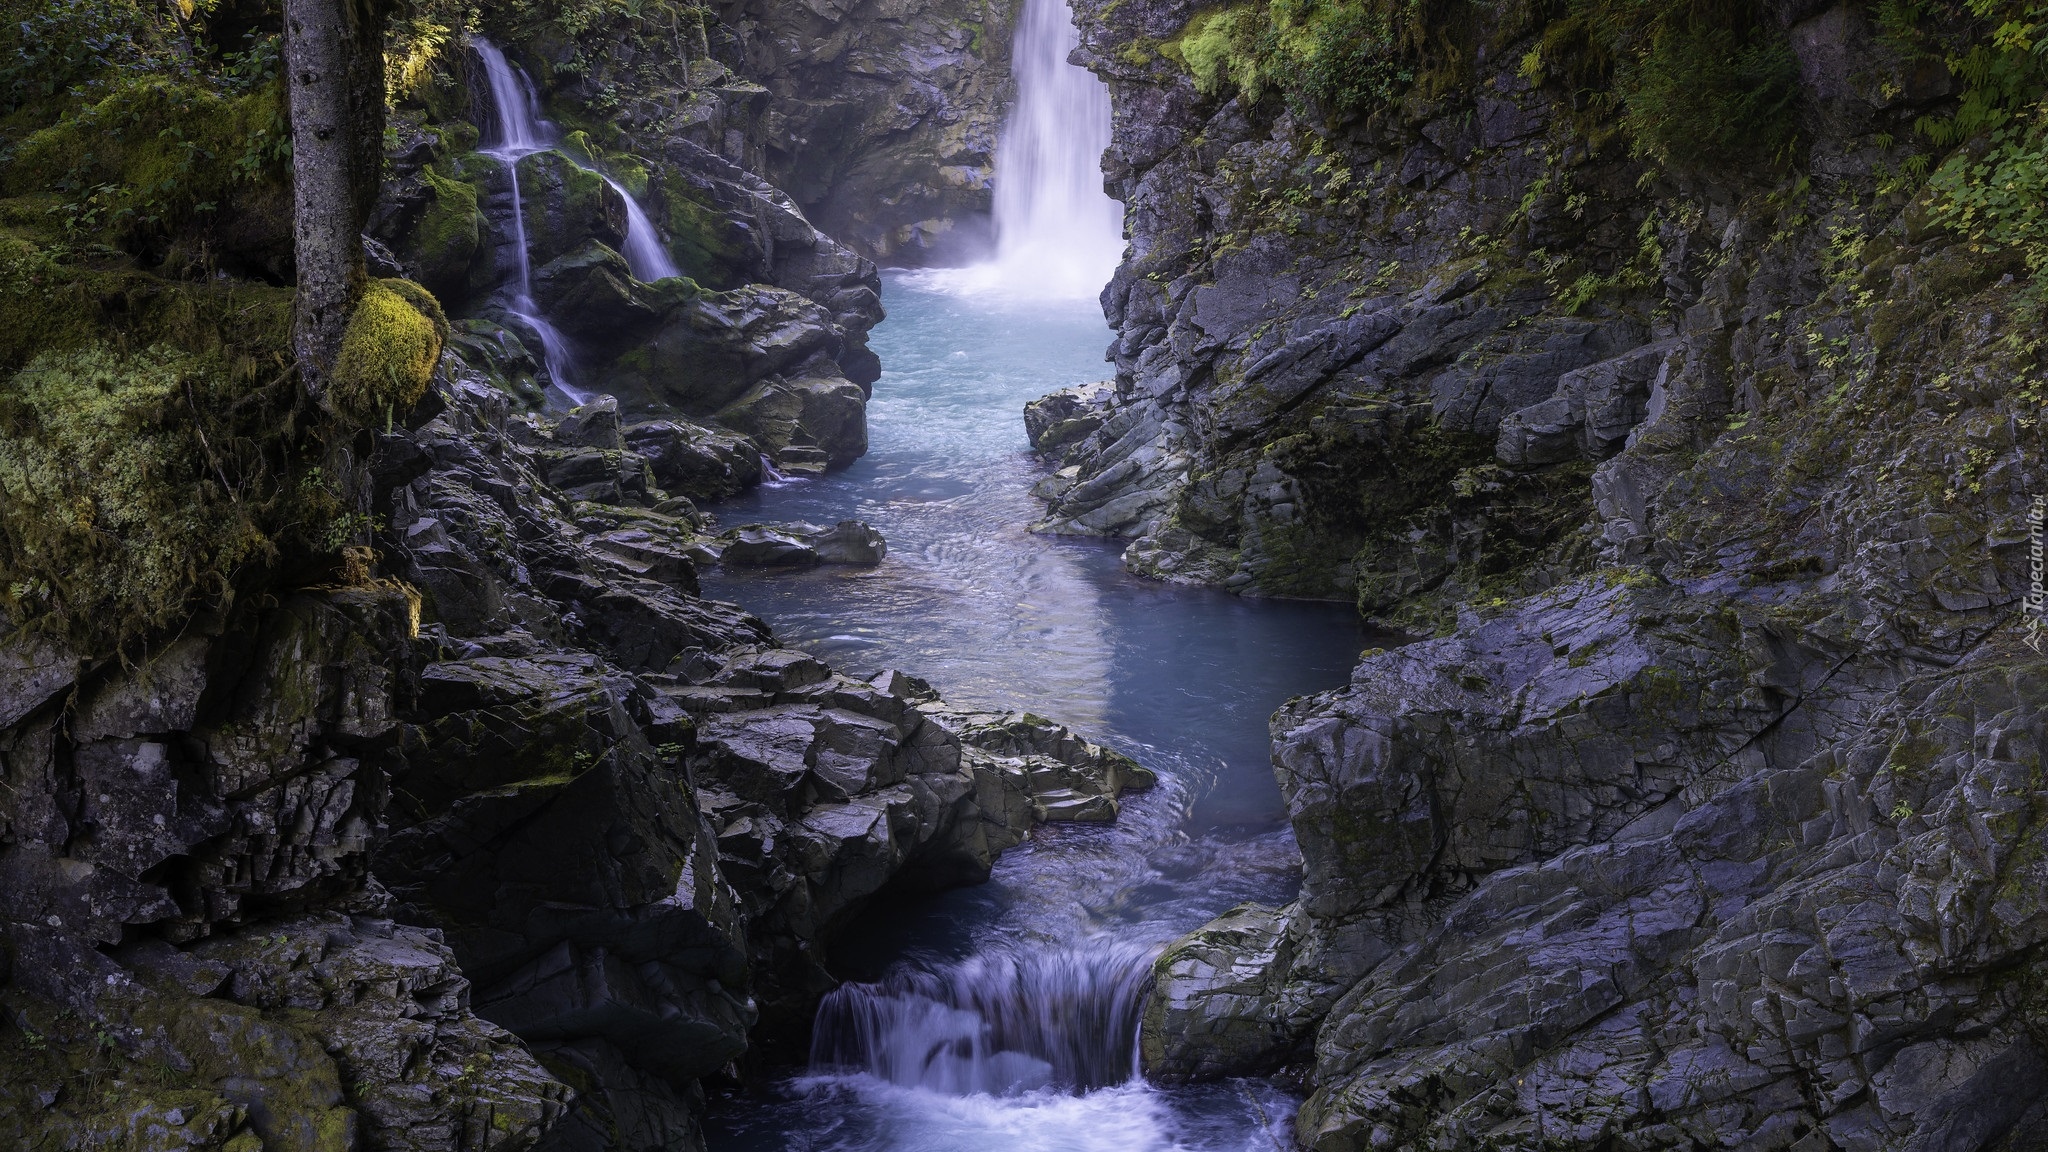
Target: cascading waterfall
{"points": [[998, 1023], [520, 133], [1057, 232]]}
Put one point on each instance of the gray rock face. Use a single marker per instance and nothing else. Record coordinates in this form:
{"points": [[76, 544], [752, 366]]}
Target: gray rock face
{"points": [[396, 867], [886, 117], [185, 849], [1697, 820]]}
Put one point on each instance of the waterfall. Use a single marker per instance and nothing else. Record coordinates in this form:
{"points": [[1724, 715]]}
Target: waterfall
{"points": [[998, 1022], [521, 132], [1057, 232], [645, 254]]}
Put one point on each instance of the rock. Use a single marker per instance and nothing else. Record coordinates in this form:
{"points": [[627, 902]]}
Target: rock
{"points": [[1216, 1005], [760, 546], [1056, 421], [811, 416], [802, 545], [895, 156], [850, 542], [695, 460], [592, 425]]}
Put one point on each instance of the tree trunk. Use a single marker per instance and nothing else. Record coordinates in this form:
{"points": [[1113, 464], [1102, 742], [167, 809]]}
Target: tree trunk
{"points": [[334, 63]]}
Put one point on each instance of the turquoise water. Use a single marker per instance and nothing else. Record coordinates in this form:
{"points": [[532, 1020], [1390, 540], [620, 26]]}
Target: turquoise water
{"points": [[1182, 678]]}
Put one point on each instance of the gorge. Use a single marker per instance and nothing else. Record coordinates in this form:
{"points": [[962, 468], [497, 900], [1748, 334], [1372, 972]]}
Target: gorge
{"points": [[1526, 642]]}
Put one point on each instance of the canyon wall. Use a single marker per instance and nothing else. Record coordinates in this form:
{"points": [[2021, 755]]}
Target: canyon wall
{"points": [[1704, 808], [488, 833]]}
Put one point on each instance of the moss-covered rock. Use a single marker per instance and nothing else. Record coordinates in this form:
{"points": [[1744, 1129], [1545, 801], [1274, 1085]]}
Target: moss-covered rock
{"points": [[388, 354], [159, 156], [451, 235], [114, 513]]}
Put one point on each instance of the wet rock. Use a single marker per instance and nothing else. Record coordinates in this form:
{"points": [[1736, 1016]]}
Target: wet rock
{"points": [[694, 460], [1056, 421], [1216, 1007], [801, 545], [592, 425], [850, 542], [759, 546]]}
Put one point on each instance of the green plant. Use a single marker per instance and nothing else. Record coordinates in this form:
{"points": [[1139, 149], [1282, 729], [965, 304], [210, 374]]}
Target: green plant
{"points": [[152, 155], [1347, 56], [50, 47], [1709, 93], [1997, 48], [1684, 83], [117, 507], [2001, 197]]}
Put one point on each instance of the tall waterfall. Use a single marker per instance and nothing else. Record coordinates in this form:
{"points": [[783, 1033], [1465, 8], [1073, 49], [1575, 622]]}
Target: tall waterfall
{"points": [[1057, 232], [520, 132], [998, 1022]]}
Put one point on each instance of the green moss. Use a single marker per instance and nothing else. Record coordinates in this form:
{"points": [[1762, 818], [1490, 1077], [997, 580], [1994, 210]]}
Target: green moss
{"points": [[1348, 56], [153, 155], [388, 354], [114, 512], [705, 242], [452, 226], [53, 305]]}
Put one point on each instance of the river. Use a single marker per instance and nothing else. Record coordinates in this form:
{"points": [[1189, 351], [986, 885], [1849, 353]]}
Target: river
{"points": [[1002, 1016]]}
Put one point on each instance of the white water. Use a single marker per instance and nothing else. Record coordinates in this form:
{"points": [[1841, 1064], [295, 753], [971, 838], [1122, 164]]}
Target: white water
{"points": [[1000, 1023], [999, 1018], [645, 254], [520, 133], [1058, 234]]}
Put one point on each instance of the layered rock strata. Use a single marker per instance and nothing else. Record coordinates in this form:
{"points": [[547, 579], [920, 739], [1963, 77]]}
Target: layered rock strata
{"points": [[1708, 816]]}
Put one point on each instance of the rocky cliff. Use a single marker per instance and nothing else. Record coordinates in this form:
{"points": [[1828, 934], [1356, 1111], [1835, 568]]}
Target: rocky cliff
{"points": [[1705, 812], [883, 117], [462, 821]]}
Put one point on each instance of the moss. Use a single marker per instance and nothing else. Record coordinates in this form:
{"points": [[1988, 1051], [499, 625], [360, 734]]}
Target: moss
{"points": [[706, 243], [449, 232], [52, 305], [388, 354], [157, 153], [116, 509]]}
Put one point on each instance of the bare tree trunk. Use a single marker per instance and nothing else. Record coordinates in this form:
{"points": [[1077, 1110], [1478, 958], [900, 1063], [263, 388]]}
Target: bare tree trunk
{"points": [[334, 61]]}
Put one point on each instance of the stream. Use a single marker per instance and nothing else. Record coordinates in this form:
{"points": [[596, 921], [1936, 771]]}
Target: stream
{"points": [[1004, 1015]]}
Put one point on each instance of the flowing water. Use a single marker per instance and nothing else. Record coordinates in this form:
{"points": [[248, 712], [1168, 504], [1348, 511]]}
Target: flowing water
{"points": [[1057, 234], [520, 132], [1004, 1016]]}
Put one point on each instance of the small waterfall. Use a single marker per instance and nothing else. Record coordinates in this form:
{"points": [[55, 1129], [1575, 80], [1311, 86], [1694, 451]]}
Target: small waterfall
{"points": [[997, 1023], [521, 132], [645, 254], [1057, 232]]}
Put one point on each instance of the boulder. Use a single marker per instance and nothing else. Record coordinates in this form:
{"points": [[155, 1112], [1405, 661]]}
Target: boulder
{"points": [[850, 542], [701, 462], [801, 545]]}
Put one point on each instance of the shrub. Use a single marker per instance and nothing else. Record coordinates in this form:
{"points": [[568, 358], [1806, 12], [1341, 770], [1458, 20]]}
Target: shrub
{"points": [[1706, 94], [2002, 197], [49, 47], [1348, 56], [1685, 83]]}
